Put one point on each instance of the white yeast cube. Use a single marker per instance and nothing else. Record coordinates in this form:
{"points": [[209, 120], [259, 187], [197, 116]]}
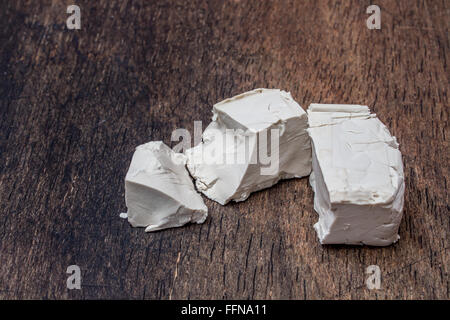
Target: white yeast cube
{"points": [[248, 119], [159, 192], [357, 176]]}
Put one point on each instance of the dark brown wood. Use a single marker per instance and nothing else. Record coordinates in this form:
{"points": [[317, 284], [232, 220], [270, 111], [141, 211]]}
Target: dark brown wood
{"points": [[74, 104]]}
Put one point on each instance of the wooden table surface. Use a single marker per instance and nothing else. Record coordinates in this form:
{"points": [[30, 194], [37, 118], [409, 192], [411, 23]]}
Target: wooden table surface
{"points": [[75, 104]]}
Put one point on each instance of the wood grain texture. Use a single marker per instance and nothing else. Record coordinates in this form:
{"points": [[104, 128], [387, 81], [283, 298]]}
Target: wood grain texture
{"points": [[75, 104]]}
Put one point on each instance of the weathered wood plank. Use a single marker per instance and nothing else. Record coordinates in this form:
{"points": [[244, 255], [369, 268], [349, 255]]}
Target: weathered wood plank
{"points": [[74, 104]]}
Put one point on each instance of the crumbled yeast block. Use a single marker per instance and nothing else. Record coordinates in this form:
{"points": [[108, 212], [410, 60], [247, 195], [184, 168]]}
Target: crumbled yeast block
{"points": [[357, 176], [159, 192], [255, 139]]}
